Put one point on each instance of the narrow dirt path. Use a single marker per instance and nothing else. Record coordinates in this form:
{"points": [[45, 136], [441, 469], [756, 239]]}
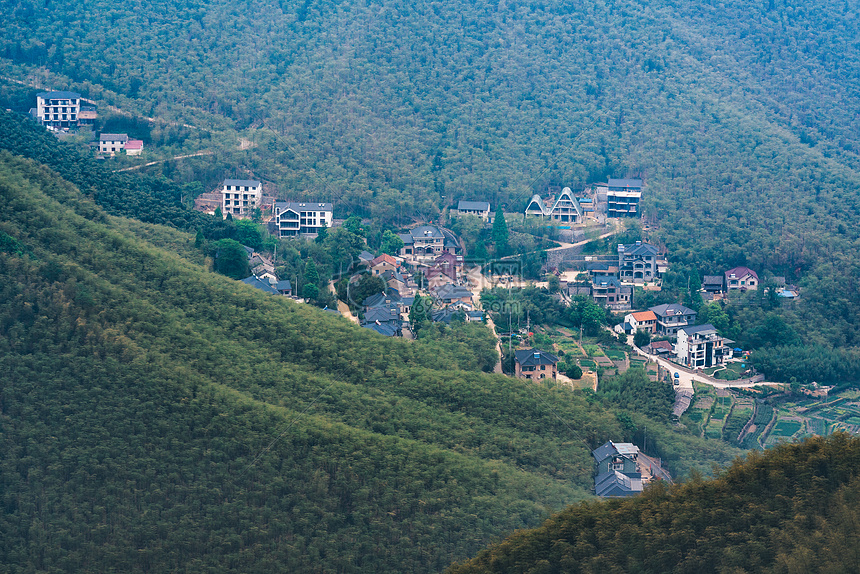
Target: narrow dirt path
{"points": [[199, 153]]}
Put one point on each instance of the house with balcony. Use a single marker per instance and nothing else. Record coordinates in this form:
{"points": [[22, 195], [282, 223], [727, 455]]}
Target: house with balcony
{"points": [[59, 111], [616, 470], [608, 291], [741, 278], [240, 196], [700, 347], [622, 197], [294, 218], [534, 364], [637, 263], [427, 241], [671, 317]]}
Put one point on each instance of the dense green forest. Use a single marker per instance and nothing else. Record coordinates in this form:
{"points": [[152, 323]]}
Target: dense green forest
{"points": [[155, 416], [790, 510]]}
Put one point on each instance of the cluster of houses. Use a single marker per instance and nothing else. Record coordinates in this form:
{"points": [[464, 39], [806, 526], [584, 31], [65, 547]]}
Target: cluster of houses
{"points": [[432, 265], [611, 283], [61, 111], [615, 198], [716, 287], [263, 276], [697, 346]]}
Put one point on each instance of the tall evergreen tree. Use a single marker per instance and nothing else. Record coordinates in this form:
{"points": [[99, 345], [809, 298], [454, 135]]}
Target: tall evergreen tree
{"points": [[500, 233]]}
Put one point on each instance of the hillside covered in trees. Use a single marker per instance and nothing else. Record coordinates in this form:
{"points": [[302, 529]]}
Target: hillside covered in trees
{"points": [[790, 510], [156, 416]]}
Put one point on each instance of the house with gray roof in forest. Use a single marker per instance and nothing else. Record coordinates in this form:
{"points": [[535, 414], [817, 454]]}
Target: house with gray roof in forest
{"points": [[477, 208], [534, 364], [616, 470]]}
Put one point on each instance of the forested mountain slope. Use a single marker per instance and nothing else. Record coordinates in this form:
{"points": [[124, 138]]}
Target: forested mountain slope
{"points": [[790, 510], [156, 416]]}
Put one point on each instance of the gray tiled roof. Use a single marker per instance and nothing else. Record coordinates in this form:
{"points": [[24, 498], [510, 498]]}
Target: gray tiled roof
{"points": [[639, 249], [260, 284], [449, 291], [606, 280], [58, 95], [614, 483], [529, 357], [634, 183], [473, 206], [426, 232], [381, 328], [299, 206], [699, 329], [242, 182], [671, 310]]}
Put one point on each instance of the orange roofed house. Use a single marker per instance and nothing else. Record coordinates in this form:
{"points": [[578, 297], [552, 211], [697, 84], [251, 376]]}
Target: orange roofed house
{"points": [[644, 320]]}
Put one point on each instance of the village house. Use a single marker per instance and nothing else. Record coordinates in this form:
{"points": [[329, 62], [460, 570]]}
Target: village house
{"points": [[700, 347], [622, 197], [616, 470], [742, 278], [58, 111], [428, 241], [609, 292], [477, 208], [112, 143], [713, 284], [383, 263], [443, 271], [660, 348], [671, 317], [385, 318], [133, 147], [637, 263], [595, 268], [565, 208], [534, 364], [395, 280], [449, 293], [643, 320], [293, 218], [260, 283], [241, 196]]}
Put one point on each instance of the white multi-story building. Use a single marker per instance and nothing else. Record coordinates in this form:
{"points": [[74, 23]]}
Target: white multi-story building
{"points": [[701, 347], [57, 110], [241, 196], [296, 218]]}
